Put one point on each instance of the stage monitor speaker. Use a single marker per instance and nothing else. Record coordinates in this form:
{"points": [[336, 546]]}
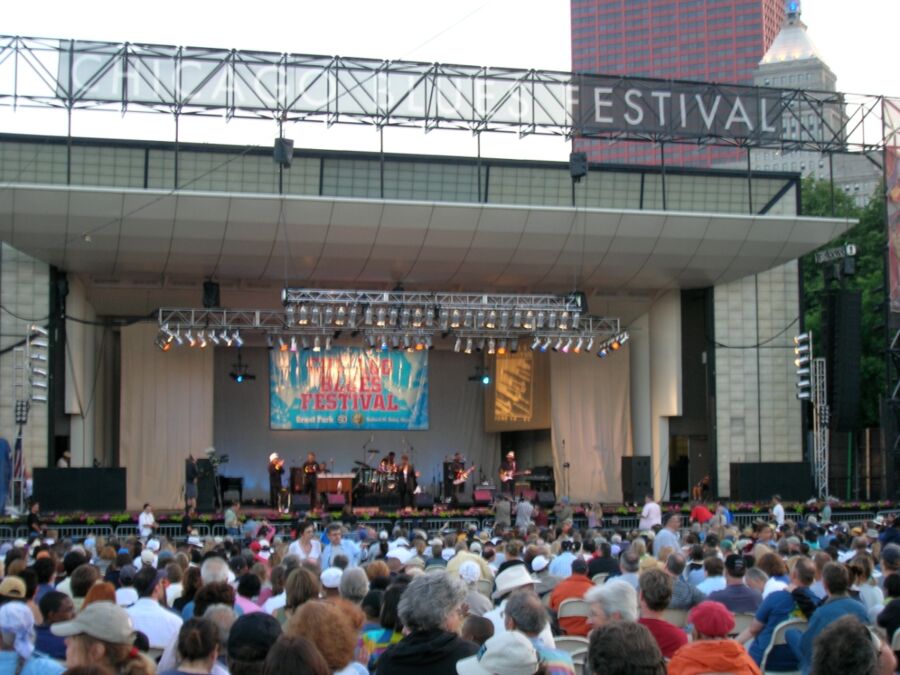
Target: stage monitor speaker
{"points": [[844, 378], [465, 501], [635, 479], [283, 152], [210, 294], [482, 496], [80, 489], [336, 499], [300, 502], [578, 165], [424, 501], [206, 486], [546, 499]]}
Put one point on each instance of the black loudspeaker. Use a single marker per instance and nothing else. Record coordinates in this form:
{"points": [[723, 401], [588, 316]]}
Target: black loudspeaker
{"points": [[206, 486], [336, 499], [283, 152], [844, 359], [80, 489], [759, 481], [210, 294], [635, 479], [578, 165], [546, 499], [464, 501], [424, 501], [300, 502]]}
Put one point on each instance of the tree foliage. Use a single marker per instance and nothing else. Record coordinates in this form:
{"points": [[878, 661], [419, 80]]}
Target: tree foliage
{"points": [[870, 238]]}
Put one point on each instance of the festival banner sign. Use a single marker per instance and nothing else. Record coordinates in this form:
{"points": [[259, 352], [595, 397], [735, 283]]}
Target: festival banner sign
{"points": [[348, 388]]}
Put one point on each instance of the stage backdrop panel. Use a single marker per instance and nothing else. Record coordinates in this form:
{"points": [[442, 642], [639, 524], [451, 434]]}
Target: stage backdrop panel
{"points": [[456, 422], [348, 388], [591, 411], [166, 412], [519, 398]]}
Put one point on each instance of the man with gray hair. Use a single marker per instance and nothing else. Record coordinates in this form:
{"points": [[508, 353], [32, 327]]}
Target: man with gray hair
{"points": [[613, 601], [525, 613], [431, 612], [684, 596], [213, 570], [354, 585], [629, 565]]}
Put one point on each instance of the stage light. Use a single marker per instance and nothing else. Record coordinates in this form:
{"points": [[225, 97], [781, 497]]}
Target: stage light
{"points": [[590, 344], [201, 338], [392, 316], [457, 345], [303, 316], [578, 345], [468, 318], [420, 345], [491, 346], [370, 340], [289, 315], [340, 317], [189, 336], [558, 345], [501, 348], [238, 340], [546, 345], [179, 340], [384, 343], [602, 353], [517, 318], [614, 345], [444, 319], [528, 323], [405, 315], [317, 344], [479, 319], [368, 317], [164, 343], [329, 315], [395, 341], [407, 341], [282, 345], [551, 319], [454, 318], [485, 379], [514, 345], [270, 341], [491, 320], [564, 321], [536, 343], [227, 338], [293, 346], [540, 319], [354, 316], [480, 345], [381, 317], [304, 343], [576, 319], [327, 342], [468, 349], [624, 337], [418, 317], [428, 342]]}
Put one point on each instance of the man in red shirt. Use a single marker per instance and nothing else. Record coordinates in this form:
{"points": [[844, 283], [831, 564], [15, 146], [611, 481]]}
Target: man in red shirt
{"points": [[700, 514], [573, 586], [656, 593]]}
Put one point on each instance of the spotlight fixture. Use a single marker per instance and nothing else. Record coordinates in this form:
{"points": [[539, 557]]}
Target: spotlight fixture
{"points": [[327, 342], [590, 344], [227, 338], [491, 346], [558, 345], [536, 343], [368, 316], [304, 343], [317, 344], [546, 345], [270, 341], [238, 340], [340, 317], [303, 315], [457, 345], [240, 372], [384, 343], [164, 342], [602, 353], [567, 346], [293, 346], [624, 337], [192, 342], [615, 344], [201, 338], [468, 349], [514, 345], [480, 375], [485, 379], [579, 343], [282, 345], [501, 348], [454, 318]]}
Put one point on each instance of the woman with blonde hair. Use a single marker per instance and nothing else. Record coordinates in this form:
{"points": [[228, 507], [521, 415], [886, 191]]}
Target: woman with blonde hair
{"points": [[102, 634], [301, 586]]}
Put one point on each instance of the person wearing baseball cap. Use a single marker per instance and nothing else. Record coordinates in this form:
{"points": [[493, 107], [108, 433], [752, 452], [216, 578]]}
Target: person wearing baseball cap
{"points": [[17, 653], [508, 654], [737, 596], [103, 635], [711, 651]]}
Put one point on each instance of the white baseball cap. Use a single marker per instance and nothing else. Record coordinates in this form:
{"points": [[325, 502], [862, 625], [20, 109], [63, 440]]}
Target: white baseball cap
{"points": [[331, 577], [509, 653]]}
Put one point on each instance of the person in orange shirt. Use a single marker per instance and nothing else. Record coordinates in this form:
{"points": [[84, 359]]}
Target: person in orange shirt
{"points": [[711, 651], [573, 586]]}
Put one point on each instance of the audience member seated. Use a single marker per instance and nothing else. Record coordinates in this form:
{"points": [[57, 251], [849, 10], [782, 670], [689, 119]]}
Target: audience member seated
{"points": [[848, 646], [507, 653], [331, 630], [295, 655], [526, 614], [354, 585], [390, 631], [603, 562], [509, 580], [301, 586], [17, 653], [624, 648], [656, 592], [684, 596], [613, 601], [248, 588], [737, 596], [55, 607], [629, 567], [714, 569], [837, 604], [795, 601], [249, 642], [101, 591], [103, 635], [573, 587], [711, 651], [430, 609], [159, 624], [198, 647], [477, 629], [477, 602]]}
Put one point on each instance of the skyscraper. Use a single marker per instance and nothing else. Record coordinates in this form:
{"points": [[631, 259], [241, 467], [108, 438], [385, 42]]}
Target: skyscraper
{"points": [[703, 40]]}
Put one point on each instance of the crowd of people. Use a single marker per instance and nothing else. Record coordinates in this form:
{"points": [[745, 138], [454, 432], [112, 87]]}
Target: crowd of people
{"points": [[347, 599]]}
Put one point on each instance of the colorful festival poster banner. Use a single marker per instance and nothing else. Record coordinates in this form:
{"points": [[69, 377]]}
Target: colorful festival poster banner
{"points": [[348, 388]]}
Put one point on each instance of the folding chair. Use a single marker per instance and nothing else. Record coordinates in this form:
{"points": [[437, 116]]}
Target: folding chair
{"points": [[778, 639]]}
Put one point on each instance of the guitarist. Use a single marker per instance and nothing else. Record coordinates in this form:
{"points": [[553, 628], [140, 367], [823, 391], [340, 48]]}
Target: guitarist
{"points": [[457, 470], [508, 474], [276, 470]]}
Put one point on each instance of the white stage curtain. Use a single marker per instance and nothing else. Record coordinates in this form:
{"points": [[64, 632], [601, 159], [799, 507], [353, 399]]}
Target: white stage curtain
{"points": [[166, 412], [591, 416]]}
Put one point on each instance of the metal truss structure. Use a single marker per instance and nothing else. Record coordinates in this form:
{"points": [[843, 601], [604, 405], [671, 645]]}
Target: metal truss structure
{"points": [[75, 75], [400, 319], [821, 422]]}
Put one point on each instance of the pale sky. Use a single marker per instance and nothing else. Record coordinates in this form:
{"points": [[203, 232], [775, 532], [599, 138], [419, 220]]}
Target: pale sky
{"points": [[859, 45]]}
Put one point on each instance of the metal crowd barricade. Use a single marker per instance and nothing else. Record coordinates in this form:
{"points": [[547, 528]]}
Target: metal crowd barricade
{"points": [[81, 531], [438, 524], [126, 530], [7, 532]]}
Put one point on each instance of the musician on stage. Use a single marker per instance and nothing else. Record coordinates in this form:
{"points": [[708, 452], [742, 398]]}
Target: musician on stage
{"points": [[458, 468], [276, 471], [388, 463], [310, 478], [406, 480], [191, 473], [508, 474]]}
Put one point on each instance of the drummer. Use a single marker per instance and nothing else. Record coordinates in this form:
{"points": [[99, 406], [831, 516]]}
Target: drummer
{"points": [[388, 463]]}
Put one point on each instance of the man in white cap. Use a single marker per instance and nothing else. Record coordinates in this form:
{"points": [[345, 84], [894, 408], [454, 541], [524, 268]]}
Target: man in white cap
{"points": [[331, 581], [479, 604], [508, 474], [510, 653], [509, 580]]}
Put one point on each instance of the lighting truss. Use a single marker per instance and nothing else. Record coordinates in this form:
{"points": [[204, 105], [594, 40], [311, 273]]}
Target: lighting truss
{"points": [[398, 319]]}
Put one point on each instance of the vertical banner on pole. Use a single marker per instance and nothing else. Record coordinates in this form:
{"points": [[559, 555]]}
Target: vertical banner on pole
{"points": [[891, 121]]}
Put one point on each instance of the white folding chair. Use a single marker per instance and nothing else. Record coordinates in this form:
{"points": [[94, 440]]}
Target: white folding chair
{"points": [[742, 621], [599, 579], [676, 617], [571, 644], [778, 638], [485, 587]]}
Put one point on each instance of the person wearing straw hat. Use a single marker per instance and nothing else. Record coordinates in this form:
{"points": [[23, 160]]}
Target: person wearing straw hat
{"points": [[17, 637], [509, 580]]}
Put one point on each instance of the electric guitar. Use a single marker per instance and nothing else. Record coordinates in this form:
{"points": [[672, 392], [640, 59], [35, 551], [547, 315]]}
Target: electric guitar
{"points": [[509, 475], [463, 476]]}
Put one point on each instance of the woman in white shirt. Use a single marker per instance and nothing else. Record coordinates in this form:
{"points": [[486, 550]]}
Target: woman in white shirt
{"points": [[308, 546]]}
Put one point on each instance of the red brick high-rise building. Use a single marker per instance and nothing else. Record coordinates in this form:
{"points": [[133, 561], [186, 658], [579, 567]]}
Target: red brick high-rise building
{"points": [[703, 40]]}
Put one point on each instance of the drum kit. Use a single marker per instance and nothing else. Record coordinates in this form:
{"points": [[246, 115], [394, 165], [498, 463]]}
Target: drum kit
{"points": [[382, 479]]}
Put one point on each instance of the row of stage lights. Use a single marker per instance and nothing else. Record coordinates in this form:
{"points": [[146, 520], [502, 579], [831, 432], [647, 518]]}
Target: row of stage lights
{"points": [[493, 346], [427, 317]]}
